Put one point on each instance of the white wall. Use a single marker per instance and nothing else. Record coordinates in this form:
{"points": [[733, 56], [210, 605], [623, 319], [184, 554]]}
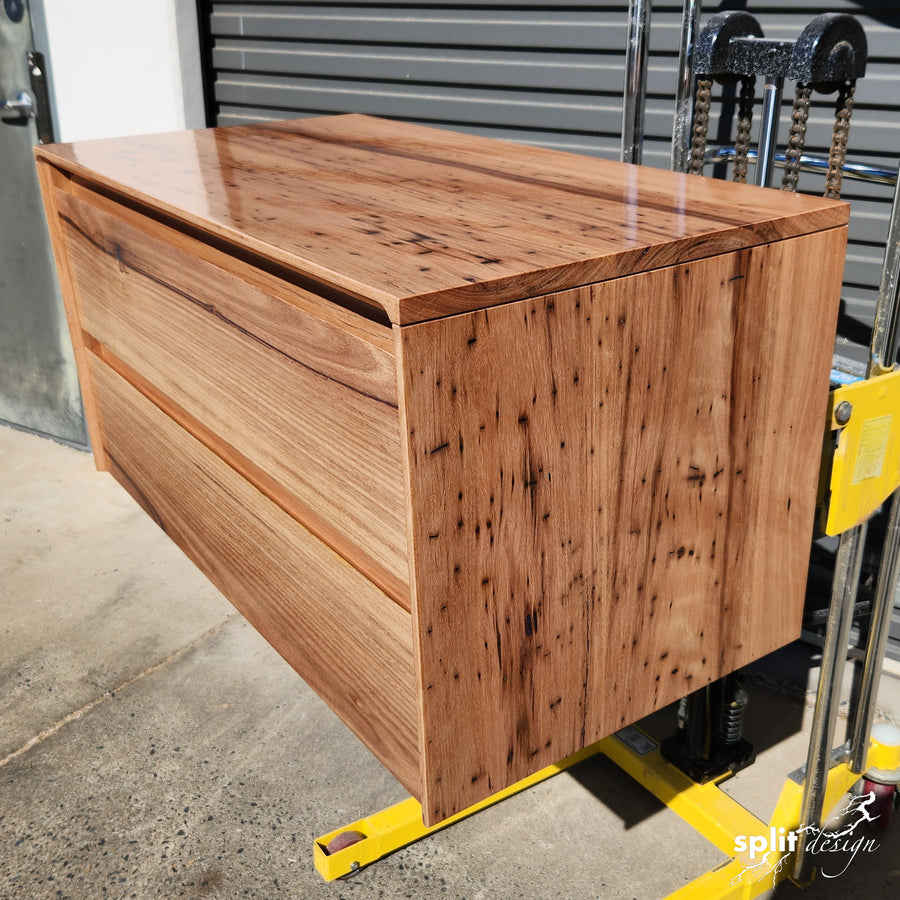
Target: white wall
{"points": [[121, 67]]}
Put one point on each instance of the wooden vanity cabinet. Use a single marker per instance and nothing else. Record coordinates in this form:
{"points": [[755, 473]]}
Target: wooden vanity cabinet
{"points": [[501, 448]]}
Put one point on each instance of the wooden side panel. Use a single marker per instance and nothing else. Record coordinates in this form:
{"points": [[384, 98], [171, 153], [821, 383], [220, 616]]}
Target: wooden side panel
{"points": [[612, 494], [350, 642], [51, 180], [302, 400]]}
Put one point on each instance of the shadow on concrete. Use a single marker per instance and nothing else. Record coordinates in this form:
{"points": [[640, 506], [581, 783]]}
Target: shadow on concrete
{"points": [[772, 716]]}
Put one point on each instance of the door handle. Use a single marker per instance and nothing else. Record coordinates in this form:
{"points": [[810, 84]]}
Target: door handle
{"points": [[32, 105], [19, 107]]}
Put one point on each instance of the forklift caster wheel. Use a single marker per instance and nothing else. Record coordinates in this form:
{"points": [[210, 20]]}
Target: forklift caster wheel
{"points": [[343, 840], [883, 804]]}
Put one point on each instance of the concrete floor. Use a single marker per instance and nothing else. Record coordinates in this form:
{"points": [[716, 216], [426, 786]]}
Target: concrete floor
{"points": [[152, 745]]}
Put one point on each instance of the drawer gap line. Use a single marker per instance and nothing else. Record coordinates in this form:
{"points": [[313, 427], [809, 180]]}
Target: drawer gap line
{"points": [[361, 561], [209, 308]]}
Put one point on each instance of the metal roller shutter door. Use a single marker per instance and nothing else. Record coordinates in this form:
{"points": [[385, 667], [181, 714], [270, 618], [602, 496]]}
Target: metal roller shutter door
{"points": [[546, 74]]}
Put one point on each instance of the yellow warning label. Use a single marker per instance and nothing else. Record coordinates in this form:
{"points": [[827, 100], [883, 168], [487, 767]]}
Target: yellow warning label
{"points": [[873, 444], [865, 468]]}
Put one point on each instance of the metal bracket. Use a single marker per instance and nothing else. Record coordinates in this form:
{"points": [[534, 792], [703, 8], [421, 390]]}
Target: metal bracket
{"points": [[717, 51], [830, 50], [37, 72]]}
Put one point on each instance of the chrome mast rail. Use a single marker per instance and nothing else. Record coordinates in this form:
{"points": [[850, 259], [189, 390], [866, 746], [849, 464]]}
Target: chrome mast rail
{"points": [[812, 163], [635, 81], [881, 357], [681, 129]]}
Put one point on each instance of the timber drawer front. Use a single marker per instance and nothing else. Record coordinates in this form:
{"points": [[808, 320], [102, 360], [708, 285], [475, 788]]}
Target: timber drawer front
{"points": [[501, 448]]}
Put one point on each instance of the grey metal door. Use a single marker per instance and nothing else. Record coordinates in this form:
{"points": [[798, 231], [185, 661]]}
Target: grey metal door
{"points": [[38, 384]]}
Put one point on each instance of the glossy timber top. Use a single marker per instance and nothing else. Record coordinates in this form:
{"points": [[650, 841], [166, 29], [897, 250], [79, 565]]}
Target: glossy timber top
{"points": [[423, 222]]}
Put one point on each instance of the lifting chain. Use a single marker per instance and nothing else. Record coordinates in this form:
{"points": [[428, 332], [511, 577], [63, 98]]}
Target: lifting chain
{"points": [[701, 126], [744, 121], [843, 110], [799, 117]]}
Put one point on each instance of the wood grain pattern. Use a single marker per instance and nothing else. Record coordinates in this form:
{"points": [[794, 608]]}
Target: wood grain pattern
{"points": [[613, 492], [347, 639], [422, 222], [305, 406], [569, 511], [50, 180]]}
